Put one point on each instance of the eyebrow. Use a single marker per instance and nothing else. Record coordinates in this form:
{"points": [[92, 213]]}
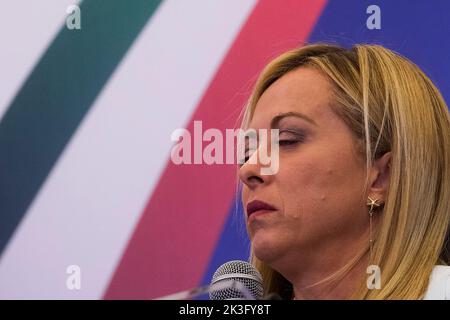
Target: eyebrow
{"points": [[274, 122]]}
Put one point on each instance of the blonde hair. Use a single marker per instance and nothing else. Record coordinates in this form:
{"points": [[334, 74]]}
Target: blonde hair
{"points": [[390, 105]]}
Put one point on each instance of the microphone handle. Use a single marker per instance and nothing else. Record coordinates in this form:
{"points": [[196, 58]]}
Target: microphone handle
{"points": [[186, 294], [195, 292]]}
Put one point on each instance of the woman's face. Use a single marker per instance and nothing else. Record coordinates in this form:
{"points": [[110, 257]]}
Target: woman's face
{"points": [[317, 191]]}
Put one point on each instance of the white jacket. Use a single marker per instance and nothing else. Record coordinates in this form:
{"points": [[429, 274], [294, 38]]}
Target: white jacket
{"points": [[439, 286]]}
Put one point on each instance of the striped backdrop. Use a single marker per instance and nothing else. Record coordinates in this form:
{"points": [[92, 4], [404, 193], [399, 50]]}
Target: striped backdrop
{"points": [[86, 118]]}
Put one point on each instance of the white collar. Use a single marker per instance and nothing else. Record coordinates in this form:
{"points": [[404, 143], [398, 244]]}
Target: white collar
{"points": [[439, 285]]}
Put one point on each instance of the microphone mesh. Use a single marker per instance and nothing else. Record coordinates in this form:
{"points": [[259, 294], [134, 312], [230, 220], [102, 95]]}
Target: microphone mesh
{"points": [[239, 271]]}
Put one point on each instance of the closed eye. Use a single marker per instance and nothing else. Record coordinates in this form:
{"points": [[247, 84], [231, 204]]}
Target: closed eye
{"points": [[287, 142], [290, 137]]}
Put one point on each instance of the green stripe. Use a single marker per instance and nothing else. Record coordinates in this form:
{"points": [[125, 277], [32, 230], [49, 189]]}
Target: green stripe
{"points": [[56, 96]]}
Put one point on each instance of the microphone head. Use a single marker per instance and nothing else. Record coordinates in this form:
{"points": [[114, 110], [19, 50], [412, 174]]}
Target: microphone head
{"points": [[241, 272]]}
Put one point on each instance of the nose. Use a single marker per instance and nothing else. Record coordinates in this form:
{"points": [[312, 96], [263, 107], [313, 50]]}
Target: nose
{"points": [[250, 173]]}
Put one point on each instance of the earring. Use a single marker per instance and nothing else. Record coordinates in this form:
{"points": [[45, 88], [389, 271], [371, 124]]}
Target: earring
{"points": [[372, 204]]}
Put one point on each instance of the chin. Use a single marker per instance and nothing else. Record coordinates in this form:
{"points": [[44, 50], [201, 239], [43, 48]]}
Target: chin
{"points": [[265, 248]]}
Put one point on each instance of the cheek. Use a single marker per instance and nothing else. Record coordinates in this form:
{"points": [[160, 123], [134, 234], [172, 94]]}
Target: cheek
{"points": [[302, 176], [316, 187], [244, 194]]}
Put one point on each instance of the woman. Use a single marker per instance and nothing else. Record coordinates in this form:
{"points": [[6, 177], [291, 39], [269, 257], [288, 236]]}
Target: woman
{"points": [[360, 205]]}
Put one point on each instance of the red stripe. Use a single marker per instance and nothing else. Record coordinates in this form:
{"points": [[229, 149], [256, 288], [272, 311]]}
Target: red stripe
{"points": [[173, 242]]}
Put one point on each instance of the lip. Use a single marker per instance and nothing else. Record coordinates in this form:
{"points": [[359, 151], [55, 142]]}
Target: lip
{"points": [[257, 207]]}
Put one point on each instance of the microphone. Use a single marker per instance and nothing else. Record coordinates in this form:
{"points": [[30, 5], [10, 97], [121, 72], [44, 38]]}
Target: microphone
{"points": [[236, 280]]}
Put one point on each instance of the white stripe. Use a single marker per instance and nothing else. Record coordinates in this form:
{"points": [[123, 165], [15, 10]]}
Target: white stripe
{"points": [[90, 204], [26, 30]]}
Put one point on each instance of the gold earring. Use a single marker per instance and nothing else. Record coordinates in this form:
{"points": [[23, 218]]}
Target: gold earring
{"points": [[371, 203]]}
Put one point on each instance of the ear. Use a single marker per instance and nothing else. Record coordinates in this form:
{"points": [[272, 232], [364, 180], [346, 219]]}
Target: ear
{"points": [[380, 177]]}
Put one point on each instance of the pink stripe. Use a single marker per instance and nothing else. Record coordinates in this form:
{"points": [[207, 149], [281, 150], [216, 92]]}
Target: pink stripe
{"points": [[178, 230]]}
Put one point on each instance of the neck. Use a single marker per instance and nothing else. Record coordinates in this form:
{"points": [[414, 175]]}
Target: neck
{"points": [[311, 280], [314, 285]]}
